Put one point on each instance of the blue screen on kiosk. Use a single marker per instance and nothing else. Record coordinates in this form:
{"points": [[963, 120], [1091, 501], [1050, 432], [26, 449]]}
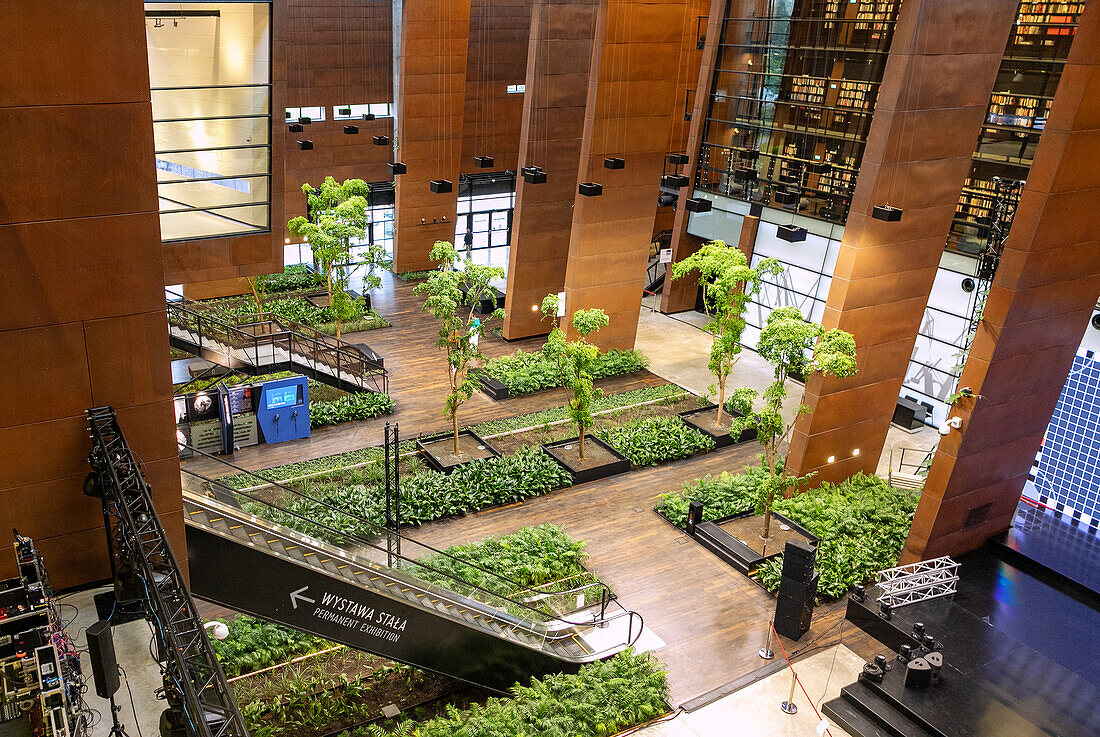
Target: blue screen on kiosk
{"points": [[283, 396]]}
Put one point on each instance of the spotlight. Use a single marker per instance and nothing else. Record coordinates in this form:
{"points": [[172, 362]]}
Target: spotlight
{"points": [[1096, 321], [791, 233], [697, 204], [905, 653], [534, 308], [859, 593], [831, 459], [887, 213], [968, 285], [918, 629], [955, 422], [885, 611], [855, 452]]}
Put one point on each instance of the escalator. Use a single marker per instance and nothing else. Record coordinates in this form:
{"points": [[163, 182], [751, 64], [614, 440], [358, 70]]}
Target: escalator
{"points": [[265, 343], [384, 592]]}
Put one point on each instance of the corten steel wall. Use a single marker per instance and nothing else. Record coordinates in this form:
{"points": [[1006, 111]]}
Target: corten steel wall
{"points": [[432, 95], [558, 58], [338, 52], [935, 91], [1038, 309], [228, 258], [497, 57], [632, 86], [679, 295], [82, 321]]}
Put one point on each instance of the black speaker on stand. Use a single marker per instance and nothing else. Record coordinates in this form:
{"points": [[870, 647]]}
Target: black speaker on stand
{"points": [[101, 652], [794, 606]]}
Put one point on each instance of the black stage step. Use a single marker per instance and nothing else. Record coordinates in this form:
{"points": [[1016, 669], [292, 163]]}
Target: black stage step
{"points": [[853, 721], [886, 718]]}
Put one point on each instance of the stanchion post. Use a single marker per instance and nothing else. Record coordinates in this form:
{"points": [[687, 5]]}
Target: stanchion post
{"points": [[788, 706], [766, 651]]}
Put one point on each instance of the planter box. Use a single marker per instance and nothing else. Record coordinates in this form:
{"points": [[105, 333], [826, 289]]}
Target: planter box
{"points": [[698, 419], [320, 298], [739, 555], [437, 450], [491, 387], [620, 464]]}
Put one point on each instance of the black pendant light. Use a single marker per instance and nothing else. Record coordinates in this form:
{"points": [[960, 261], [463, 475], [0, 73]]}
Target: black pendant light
{"points": [[441, 186], [533, 175], [697, 204], [483, 162], [381, 140], [351, 130], [295, 128], [305, 145], [396, 168], [590, 189], [791, 233], [887, 213], [674, 181], [614, 162]]}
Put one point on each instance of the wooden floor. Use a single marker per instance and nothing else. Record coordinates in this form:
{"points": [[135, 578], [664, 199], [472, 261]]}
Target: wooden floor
{"points": [[417, 383], [712, 618]]}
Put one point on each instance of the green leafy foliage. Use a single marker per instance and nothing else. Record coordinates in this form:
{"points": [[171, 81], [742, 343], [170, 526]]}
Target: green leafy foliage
{"points": [[450, 294], [784, 342], [295, 278], [728, 286], [610, 401], [323, 319], [722, 496], [526, 372], [652, 440], [425, 497], [253, 644], [338, 219], [603, 698], [359, 406]]}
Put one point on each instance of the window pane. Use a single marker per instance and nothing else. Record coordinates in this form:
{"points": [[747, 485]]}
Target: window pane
{"points": [[191, 193], [210, 103], [500, 221], [216, 163], [205, 223], [180, 134], [230, 48]]}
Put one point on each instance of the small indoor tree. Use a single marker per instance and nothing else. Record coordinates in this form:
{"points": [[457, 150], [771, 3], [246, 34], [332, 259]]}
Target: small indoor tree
{"points": [[451, 294], [574, 360], [338, 220], [785, 342], [728, 284]]}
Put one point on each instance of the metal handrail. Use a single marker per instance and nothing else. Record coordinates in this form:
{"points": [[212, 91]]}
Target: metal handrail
{"points": [[539, 628], [380, 530]]}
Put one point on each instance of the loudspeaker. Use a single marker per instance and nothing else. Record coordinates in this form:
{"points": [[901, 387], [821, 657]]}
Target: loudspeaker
{"points": [[695, 516], [798, 562], [799, 591], [101, 651], [799, 549], [792, 622]]}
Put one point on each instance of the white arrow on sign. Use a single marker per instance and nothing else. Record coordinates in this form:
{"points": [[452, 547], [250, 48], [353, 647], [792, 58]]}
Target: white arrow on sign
{"points": [[296, 595]]}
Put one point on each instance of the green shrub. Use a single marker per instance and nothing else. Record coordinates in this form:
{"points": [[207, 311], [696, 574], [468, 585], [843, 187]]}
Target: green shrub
{"points": [[298, 309], [295, 278], [524, 372], [359, 406], [603, 698], [862, 523], [254, 644], [651, 440], [721, 496]]}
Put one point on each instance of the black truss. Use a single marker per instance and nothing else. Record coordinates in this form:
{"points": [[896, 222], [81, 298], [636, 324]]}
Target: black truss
{"points": [[193, 679]]}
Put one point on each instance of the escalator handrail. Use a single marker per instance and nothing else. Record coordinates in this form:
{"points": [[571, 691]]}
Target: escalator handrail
{"points": [[382, 530], [455, 598]]}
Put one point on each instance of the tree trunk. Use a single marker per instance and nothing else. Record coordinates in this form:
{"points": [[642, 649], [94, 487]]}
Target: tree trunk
{"points": [[721, 399], [580, 441], [454, 428], [769, 454], [253, 283]]}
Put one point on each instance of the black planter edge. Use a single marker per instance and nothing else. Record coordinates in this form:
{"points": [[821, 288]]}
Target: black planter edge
{"points": [[491, 387], [422, 445], [720, 441], [622, 465], [596, 382]]}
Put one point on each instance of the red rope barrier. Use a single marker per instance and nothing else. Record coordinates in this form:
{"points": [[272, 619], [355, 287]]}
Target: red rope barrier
{"points": [[796, 678]]}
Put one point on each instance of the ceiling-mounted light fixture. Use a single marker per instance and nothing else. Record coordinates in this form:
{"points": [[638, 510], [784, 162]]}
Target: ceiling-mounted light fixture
{"points": [[351, 130], [483, 162], [697, 204], [295, 128], [886, 213], [614, 162], [396, 168], [533, 175], [381, 140], [305, 145], [674, 181], [441, 186], [590, 189], [791, 233]]}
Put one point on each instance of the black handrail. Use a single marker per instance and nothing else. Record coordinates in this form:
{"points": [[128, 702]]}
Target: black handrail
{"points": [[381, 530]]}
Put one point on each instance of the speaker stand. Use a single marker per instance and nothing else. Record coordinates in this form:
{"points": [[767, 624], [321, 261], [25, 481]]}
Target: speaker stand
{"points": [[117, 730]]}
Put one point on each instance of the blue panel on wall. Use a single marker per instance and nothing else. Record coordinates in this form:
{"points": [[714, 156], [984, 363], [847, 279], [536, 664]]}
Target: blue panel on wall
{"points": [[283, 409], [1068, 466]]}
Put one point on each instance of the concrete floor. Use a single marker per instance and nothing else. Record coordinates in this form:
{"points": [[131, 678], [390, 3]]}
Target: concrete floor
{"points": [[132, 645], [754, 710], [679, 349]]}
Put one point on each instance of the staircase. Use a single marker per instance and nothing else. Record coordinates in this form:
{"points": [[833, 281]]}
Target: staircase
{"points": [[265, 343], [370, 594]]}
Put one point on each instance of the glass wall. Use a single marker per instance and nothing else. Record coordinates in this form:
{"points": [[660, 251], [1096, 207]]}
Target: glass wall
{"points": [[210, 73], [794, 92]]}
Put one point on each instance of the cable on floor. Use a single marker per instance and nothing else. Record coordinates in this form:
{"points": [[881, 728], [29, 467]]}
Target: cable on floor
{"points": [[133, 706]]}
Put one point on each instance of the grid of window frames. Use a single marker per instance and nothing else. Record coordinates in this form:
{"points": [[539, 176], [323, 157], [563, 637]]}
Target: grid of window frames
{"points": [[794, 91], [1018, 108], [356, 112], [210, 75]]}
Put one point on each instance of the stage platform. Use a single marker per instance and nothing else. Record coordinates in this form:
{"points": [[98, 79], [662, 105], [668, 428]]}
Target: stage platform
{"points": [[1022, 657]]}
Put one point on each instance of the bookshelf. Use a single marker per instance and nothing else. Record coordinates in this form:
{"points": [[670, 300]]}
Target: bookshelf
{"points": [[873, 15], [854, 94], [807, 89], [1045, 23], [1018, 111]]}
